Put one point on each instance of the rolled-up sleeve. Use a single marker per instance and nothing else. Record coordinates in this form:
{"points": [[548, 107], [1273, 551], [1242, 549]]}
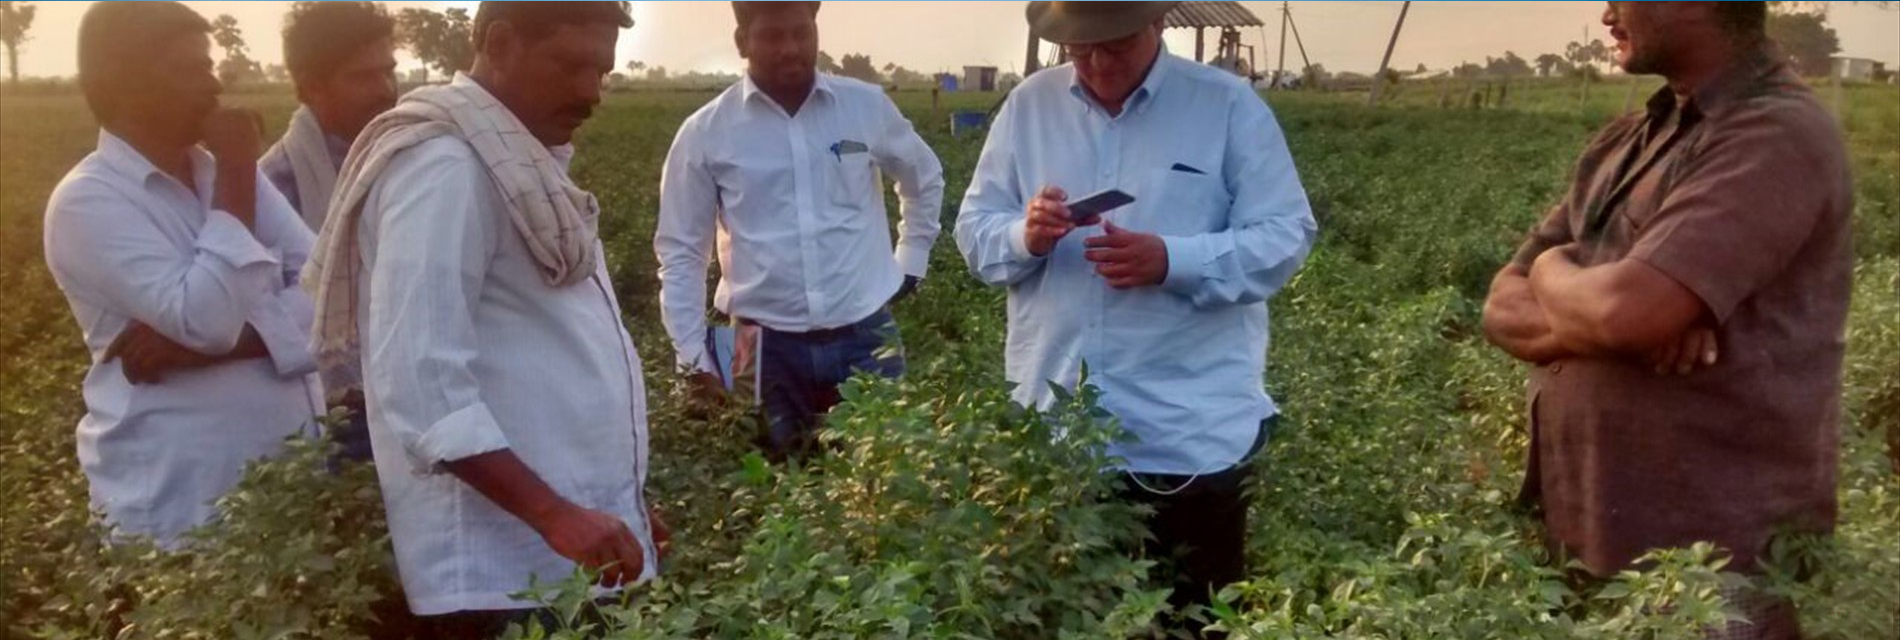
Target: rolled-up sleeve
{"points": [[1270, 226], [990, 223], [902, 154], [432, 257], [104, 248]]}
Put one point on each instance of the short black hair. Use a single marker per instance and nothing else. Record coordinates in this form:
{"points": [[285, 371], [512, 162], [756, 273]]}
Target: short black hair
{"points": [[319, 36], [116, 41], [535, 20], [745, 11], [1743, 18]]}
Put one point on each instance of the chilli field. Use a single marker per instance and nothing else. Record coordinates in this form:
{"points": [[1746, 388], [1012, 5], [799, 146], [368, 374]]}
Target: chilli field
{"points": [[1388, 508]]}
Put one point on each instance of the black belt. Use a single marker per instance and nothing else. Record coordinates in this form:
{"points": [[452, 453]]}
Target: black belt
{"points": [[816, 335]]}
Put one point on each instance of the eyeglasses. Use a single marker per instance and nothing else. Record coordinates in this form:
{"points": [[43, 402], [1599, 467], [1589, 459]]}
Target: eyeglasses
{"points": [[1111, 48]]}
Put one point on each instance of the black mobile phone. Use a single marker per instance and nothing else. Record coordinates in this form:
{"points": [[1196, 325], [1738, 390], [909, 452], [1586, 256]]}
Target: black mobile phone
{"points": [[1087, 210]]}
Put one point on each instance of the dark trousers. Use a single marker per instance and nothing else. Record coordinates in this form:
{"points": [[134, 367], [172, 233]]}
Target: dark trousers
{"points": [[480, 625], [1198, 529], [800, 373]]}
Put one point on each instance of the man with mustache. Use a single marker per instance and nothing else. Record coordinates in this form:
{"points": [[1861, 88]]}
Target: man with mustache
{"points": [[461, 286], [1685, 306], [181, 265], [782, 173], [342, 59]]}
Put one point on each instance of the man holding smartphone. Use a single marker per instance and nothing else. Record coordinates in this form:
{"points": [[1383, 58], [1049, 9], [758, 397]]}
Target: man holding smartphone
{"points": [[181, 265], [1164, 300]]}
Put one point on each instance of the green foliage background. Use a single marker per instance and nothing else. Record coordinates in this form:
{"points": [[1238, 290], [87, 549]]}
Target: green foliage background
{"points": [[1386, 510]]}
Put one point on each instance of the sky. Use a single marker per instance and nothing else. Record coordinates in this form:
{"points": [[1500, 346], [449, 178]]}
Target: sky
{"points": [[945, 36]]}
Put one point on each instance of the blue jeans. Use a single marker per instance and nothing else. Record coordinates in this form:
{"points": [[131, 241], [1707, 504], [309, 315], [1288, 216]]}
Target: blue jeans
{"points": [[800, 373]]}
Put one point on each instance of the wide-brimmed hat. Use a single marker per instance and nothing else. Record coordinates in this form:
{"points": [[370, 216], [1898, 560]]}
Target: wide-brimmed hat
{"points": [[1087, 22]]}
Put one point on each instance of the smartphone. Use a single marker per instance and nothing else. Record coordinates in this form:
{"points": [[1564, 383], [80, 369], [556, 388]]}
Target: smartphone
{"points": [[1090, 209]]}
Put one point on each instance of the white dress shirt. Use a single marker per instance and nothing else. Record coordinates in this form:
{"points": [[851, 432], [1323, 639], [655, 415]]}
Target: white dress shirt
{"points": [[1181, 364], [126, 241], [796, 201], [466, 350]]}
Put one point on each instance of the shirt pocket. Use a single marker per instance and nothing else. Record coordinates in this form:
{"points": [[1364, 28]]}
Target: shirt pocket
{"points": [[852, 178], [1189, 203]]}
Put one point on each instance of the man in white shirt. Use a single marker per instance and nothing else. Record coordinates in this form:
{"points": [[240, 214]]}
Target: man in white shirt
{"points": [[782, 173], [181, 265], [1164, 300], [342, 59], [461, 273]]}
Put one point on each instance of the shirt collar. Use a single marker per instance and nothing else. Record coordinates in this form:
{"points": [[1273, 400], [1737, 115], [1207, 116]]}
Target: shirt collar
{"points": [[1143, 95], [126, 160], [1755, 73], [749, 90]]}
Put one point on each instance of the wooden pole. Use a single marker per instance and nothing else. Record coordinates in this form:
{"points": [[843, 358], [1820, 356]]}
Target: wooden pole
{"points": [[1199, 33], [1379, 80], [1306, 63], [1285, 17]]}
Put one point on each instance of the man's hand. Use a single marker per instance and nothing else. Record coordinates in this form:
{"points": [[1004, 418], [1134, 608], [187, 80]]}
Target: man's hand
{"points": [[1128, 259], [1046, 221], [597, 540], [147, 355], [707, 392], [905, 290], [662, 534], [1696, 349], [234, 137]]}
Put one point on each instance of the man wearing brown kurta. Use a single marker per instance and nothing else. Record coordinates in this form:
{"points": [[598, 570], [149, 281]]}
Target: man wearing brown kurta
{"points": [[1685, 305]]}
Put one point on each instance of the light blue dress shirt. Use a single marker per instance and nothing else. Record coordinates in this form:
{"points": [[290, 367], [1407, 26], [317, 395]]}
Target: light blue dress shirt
{"points": [[1181, 364]]}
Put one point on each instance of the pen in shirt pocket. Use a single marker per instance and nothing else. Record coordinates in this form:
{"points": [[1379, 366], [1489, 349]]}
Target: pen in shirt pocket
{"points": [[843, 147]]}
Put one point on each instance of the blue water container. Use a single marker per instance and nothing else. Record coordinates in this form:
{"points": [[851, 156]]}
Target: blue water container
{"points": [[968, 121]]}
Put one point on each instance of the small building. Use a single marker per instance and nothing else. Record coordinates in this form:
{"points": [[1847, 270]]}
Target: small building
{"points": [[979, 78], [1856, 69]]}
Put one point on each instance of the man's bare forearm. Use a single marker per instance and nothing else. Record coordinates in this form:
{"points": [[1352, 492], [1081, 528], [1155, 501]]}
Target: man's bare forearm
{"points": [[504, 479], [1515, 321]]}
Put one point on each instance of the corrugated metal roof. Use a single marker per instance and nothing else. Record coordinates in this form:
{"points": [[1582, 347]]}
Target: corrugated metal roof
{"points": [[1211, 14]]}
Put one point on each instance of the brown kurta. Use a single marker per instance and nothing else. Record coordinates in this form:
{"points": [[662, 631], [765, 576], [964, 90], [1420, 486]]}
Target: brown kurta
{"points": [[1741, 193]]}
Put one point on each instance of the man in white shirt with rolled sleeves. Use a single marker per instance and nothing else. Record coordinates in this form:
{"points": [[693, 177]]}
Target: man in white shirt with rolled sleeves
{"points": [[783, 174], [181, 265], [460, 282], [1163, 300]]}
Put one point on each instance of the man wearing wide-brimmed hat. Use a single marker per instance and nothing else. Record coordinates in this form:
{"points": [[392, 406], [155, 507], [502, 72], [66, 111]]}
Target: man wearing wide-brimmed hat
{"points": [[1164, 300]]}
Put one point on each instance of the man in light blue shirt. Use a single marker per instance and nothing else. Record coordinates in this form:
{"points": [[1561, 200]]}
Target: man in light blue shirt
{"points": [[1163, 299]]}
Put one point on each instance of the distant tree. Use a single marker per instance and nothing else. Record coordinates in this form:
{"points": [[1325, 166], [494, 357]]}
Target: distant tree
{"points": [[237, 67], [1467, 70], [276, 73], [443, 41], [15, 19], [828, 65], [1315, 75], [1587, 55], [656, 74], [857, 65], [635, 67], [1806, 39], [1421, 70], [1547, 64], [1509, 66]]}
